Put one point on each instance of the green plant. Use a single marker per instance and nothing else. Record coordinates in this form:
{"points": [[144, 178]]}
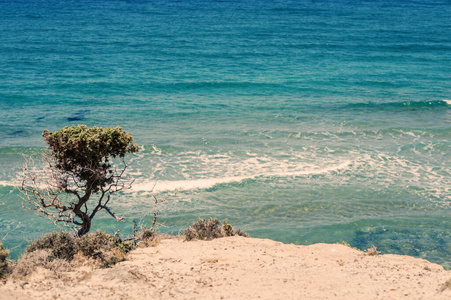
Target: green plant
{"points": [[62, 245], [58, 249], [110, 261], [211, 229], [95, 244], [79, 165], [146, 233], [125, 246], [4, 267], [348, 245]]}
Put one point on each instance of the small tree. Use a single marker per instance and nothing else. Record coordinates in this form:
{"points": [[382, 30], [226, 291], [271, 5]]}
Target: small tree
{"points": [[78, 165]]}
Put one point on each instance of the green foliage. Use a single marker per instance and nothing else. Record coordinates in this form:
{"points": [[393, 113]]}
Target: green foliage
{"points": [[146, 233], [62, 245], [348, 245], [4, 268], [110, 261], [100, 246], [211, 229], [148, 237], [124, 246], [204, 230], [86, 152], [95, 244]]}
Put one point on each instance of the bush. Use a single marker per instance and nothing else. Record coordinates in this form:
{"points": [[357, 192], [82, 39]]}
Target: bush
{"points": [[4, 268], [55, 251], [211, 229], [96, 244], [146, 233], [39, 258], [62, 245], [147, 237]]}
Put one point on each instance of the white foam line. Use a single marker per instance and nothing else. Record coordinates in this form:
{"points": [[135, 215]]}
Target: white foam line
{"points": [[180, 185], [10, 183], [183, 185], [447, 101]]}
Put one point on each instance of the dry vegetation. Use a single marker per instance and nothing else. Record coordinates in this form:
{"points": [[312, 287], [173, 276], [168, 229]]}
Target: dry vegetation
{"points": [[61, 251], [211, 229], [4, 267], [446, 285], [372, 251]]}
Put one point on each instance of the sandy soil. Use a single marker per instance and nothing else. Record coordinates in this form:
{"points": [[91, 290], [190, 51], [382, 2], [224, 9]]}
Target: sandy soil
{"points": [[241, 268]]}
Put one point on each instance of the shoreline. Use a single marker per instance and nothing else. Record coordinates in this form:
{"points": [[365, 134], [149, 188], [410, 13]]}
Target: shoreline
{"points": [[242, 268]]}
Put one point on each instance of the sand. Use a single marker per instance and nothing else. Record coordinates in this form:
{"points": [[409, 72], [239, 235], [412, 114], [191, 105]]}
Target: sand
{"points": [[241, 268]]}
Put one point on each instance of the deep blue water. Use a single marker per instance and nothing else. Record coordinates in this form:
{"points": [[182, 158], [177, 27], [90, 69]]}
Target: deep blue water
{"points": [[299, 121]]}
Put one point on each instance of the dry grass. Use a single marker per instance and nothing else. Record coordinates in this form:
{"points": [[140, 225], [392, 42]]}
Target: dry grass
{"points": [[59, 252], [62, 245], [150, 241], [446, 285], [211, 229], [372, 251], [29, 262]]}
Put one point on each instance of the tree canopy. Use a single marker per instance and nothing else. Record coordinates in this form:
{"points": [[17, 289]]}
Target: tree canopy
{"points": [[86, 152]]}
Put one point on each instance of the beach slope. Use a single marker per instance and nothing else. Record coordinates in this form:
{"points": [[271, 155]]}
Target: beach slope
{"points": [[242, 268]]}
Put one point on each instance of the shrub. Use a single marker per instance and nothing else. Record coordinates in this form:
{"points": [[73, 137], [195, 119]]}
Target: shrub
{"points": [[211, 229], [44, 258], [110, 261], [146, 233], [124, 246], [96, 244], [105, 248], [62, 245], [372, 251], [147, 237], [56, 251], [4, 268]]}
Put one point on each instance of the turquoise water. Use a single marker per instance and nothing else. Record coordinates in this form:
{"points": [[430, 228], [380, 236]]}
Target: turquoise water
{"points": [[299, 121]]}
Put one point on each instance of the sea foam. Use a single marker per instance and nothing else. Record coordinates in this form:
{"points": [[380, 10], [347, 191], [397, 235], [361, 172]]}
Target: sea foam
{"points": [[205, 183]]}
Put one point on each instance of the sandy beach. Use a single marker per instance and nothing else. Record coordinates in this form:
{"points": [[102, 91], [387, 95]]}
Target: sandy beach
{"points": [[241, 268]]}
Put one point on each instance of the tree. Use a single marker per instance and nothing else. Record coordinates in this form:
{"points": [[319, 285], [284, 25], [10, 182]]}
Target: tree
{"points": [[78, 166]]}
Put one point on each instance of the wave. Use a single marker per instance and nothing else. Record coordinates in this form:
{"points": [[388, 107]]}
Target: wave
{"points": [[206, 183], [403, 105], [217, 85], [9, 183]]}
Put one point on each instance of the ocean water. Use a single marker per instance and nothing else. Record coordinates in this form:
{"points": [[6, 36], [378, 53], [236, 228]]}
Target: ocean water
{"points": [[299, 121]]}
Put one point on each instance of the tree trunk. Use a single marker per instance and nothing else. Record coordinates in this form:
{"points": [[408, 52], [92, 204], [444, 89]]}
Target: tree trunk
{"points": [[85, 219], [85, 227]]}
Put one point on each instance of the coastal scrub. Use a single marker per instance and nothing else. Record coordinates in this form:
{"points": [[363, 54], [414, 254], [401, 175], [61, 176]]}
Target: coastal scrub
{"points": [[211, 229], [4, 267]]}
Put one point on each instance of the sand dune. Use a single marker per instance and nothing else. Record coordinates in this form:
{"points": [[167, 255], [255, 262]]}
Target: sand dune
{"points": [[242, 268]]}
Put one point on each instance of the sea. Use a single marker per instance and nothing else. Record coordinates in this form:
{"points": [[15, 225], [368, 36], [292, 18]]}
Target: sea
{"points": [[307, 121]]}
